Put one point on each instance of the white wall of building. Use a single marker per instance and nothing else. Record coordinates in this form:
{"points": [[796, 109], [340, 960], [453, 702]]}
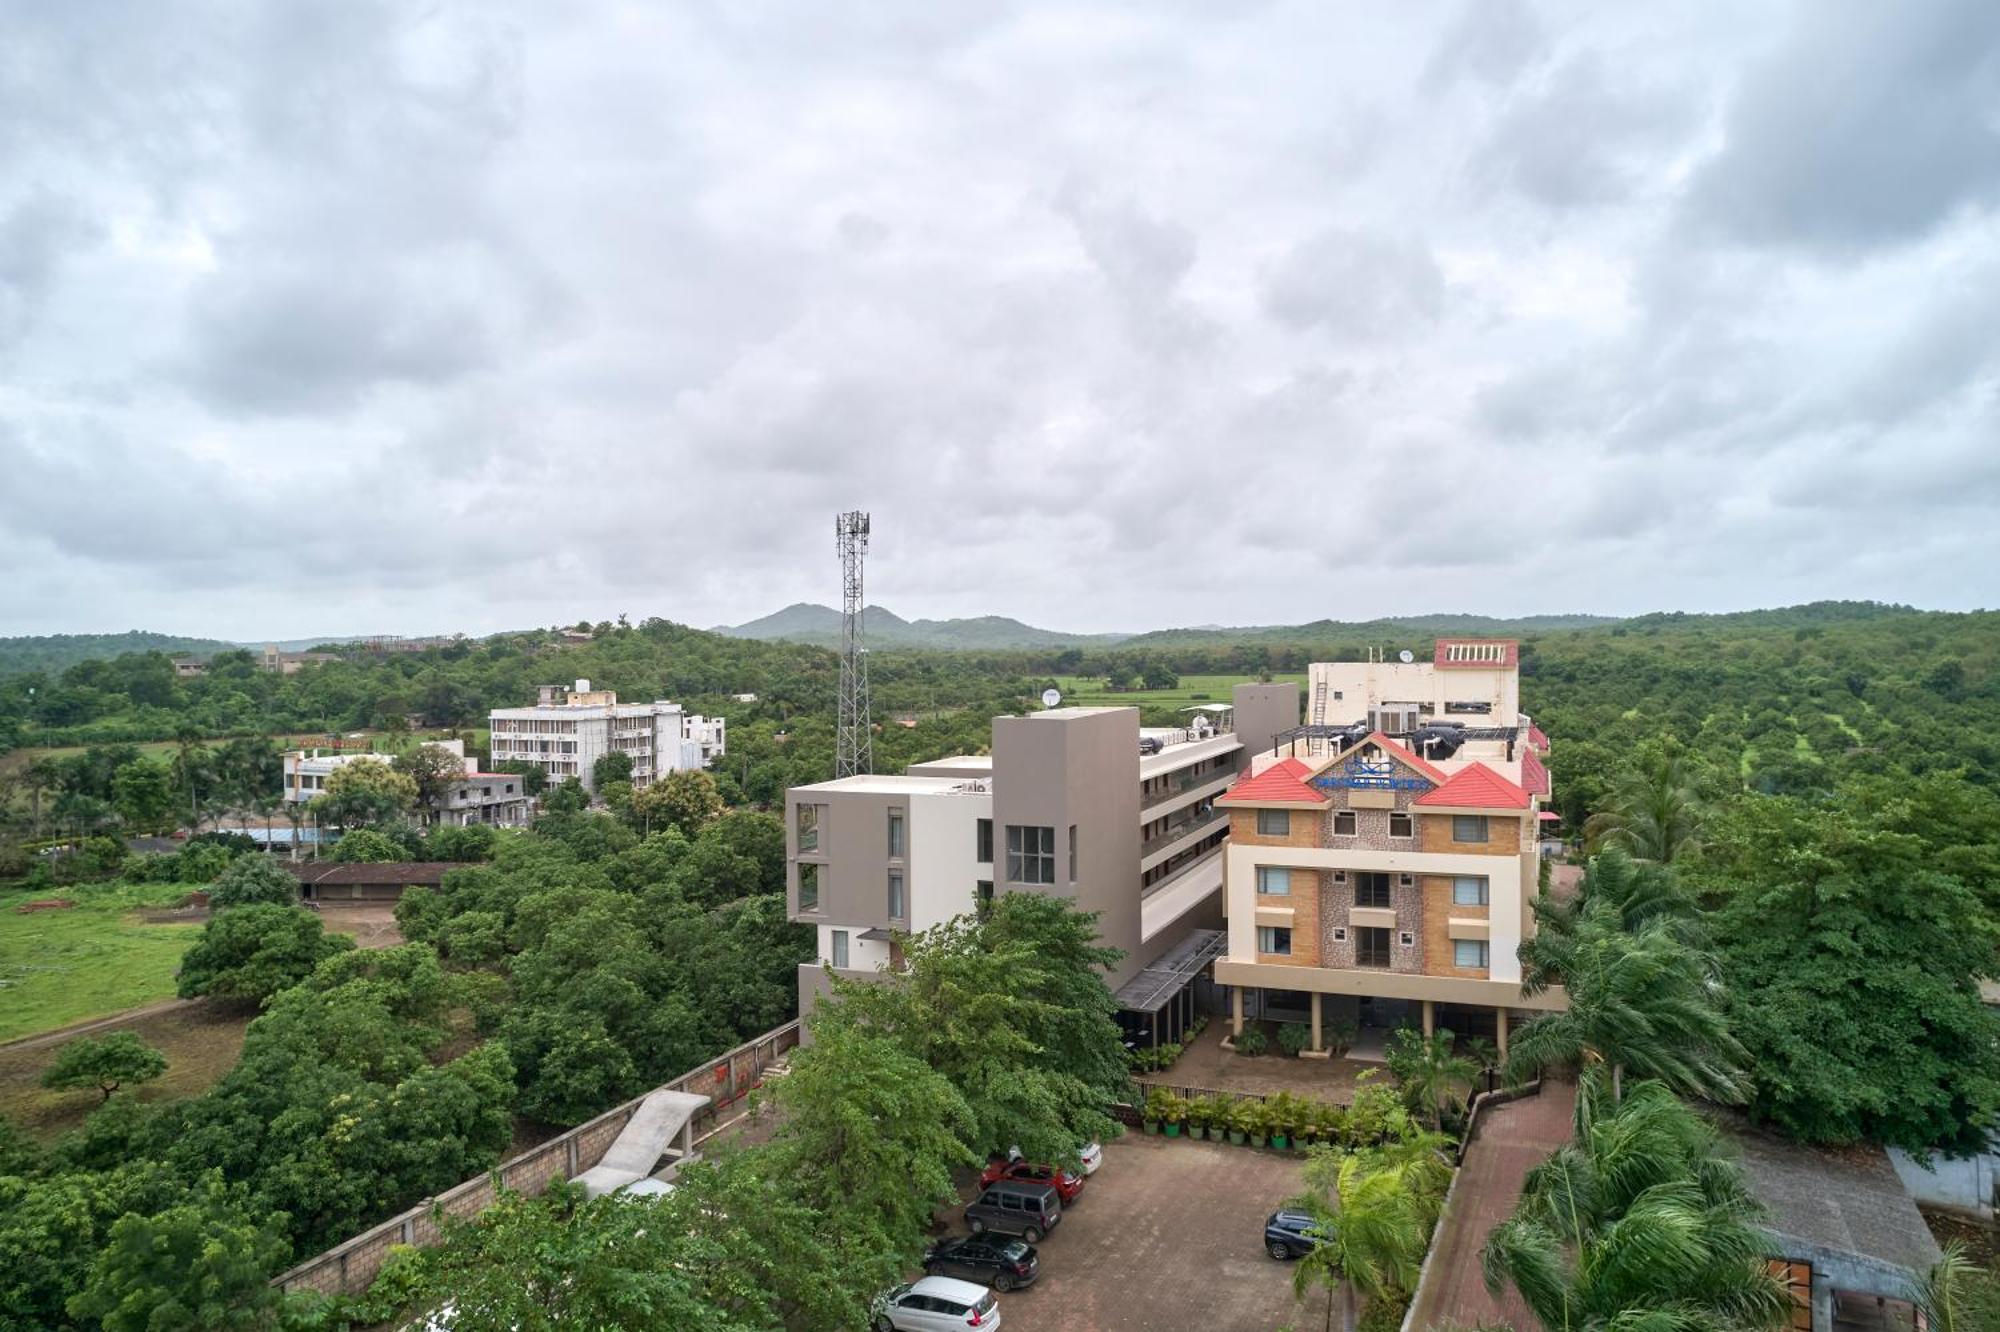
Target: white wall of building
{"points": [[1365, 684], [944, 871]]}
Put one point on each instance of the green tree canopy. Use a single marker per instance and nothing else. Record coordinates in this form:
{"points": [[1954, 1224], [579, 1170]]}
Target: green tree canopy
{"points": [[249, 954], [364, 792], [368, 846], [202, 1265], [107, 1063], [253, 879]]}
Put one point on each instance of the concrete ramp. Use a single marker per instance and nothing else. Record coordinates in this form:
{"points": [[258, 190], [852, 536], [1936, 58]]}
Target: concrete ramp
{"points": [[660, 1118]]}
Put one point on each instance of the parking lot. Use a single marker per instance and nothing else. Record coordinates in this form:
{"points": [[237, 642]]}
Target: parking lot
{"points": [[1168, 1234]]}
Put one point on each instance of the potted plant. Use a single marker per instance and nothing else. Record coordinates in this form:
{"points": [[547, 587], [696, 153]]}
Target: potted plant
{"points": [[1173, 1110], [1256, 1122], [1239, 1121], [1154, 1110], [1284, 1117], [1215, 1115]]}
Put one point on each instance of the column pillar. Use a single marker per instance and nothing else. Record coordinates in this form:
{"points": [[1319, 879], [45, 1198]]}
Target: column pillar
{"points": [[1235, 1011], [1500, 1032], [1318, 1044], [1430, 1018]]}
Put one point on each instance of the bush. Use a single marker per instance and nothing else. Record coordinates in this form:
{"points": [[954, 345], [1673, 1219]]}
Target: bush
{"points": [[366, 845], [1294, 1037], [253, 952], [1251, 1042], [251, 880]]}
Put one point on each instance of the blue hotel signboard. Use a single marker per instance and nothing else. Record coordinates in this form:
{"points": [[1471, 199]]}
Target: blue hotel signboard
{"points": [[1370, 775]]}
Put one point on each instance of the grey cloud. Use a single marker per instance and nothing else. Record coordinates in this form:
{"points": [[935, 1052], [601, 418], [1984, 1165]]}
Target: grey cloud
{"points": [[1355, 285], [1869, 128], [35, 237], [1491, 40], [1583, 135]]}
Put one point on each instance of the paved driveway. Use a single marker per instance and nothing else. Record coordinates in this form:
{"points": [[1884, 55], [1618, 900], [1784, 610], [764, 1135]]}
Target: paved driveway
{"points": [[1168, 1235]]}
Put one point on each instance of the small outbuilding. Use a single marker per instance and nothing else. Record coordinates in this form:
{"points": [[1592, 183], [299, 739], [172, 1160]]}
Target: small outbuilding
{"points": [[328, 881]]}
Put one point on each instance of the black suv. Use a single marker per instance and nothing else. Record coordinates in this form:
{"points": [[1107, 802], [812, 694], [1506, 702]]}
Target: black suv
{"points": [[1285, 1234], [994, 1260]]}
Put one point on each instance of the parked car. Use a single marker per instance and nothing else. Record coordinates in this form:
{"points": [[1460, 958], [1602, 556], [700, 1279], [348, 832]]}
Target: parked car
{"points": [[936, 1304], [1286, 1234], [1004, 1264], [1066, 1185], [1015, 1208], [1093, 1157]]}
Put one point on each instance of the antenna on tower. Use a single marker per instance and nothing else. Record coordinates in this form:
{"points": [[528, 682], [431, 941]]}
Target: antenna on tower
{"points": [[854, 741]]}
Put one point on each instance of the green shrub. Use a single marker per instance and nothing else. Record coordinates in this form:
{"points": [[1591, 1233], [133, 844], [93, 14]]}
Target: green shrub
{"points": [[1294, 1038], [1251, 1042]]}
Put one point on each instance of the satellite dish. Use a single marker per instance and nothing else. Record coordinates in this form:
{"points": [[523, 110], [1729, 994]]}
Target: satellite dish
{"points": [[1051, 697], [1406, 656]]}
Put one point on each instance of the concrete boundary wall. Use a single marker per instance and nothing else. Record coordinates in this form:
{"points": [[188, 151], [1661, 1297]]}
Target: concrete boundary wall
{"points": [[350, 1266]]}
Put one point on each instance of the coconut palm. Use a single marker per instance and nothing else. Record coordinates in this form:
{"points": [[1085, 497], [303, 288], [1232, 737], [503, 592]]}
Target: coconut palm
{"points": [[1369, 1227], [1433, 1075], [1617, 890], [1641, 1222], [1651, 811], [1643, 1002], [1942, 1291]]}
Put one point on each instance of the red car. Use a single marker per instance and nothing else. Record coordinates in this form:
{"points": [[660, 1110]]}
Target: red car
{"points": [[1066, 1185]]}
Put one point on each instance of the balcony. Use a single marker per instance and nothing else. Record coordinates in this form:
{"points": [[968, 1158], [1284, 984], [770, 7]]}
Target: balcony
{"points": [[1184, 828]]}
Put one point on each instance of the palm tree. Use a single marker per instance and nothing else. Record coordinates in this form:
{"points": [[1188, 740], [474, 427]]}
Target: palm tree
{"points": [[1431, 1072], [1651, 811], [1369, 1230], [1641, 1222], [190, 760], [1643, 1001], [1616, 889], [1942, 1294]]}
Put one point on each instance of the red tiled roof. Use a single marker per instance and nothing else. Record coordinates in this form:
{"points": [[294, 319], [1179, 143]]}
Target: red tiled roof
{"points": [[1485, 654], [1537, 739], [1476, 787], [1423, 766], [1534, 777], [1284, 782]]}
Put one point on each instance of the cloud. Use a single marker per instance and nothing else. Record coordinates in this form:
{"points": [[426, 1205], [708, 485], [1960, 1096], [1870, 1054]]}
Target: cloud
{"points": [[1355, 285]]}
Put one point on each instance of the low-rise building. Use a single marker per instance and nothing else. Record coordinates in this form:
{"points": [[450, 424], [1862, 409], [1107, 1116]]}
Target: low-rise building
{"points": [[1382, 860], [291, 663], [568, 730], [1083, 803], [498, 799], [189, 668]]}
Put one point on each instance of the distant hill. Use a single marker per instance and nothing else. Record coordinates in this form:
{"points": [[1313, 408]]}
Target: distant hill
{"points": [[59, 652], [1392, 627], [805, 622]]}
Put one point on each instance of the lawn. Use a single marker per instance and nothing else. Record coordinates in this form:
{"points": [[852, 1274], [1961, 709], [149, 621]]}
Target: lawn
{"points": [[59, 967], [1089, 691], [201, 1044]]}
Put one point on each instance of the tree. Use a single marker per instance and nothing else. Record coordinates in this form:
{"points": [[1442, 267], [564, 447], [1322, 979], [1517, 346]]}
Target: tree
{"points": [[251, 953], [1641, 1221], [1944, 1291], [1434, 1077], [191, 768], [364, 792], [107, 1063], [615, 766], [367, 846], [1651, 812], [686, 799], [568, 798], [143, 791], [433, 769], [200, 1266], [1369, 1230], [251, 879], [533, 777]]}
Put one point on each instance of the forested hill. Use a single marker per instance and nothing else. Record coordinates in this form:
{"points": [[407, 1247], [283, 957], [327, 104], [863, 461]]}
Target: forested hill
{"points": [[55, 652], [805, 622]]}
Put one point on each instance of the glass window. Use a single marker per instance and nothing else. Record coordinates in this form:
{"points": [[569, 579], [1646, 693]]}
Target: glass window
{"points": [[1072, 853], [1343, 823], [1468, 827], [1031, 854], [1469, 953], [1468, 890], [1371, 889], [840, 948], [896, 832], [808, 887], [1371, 946], [1401, 825], [983, 839], [896, 905], [808, 827], [1274, 880], [1274, 939], [1274, 822]]}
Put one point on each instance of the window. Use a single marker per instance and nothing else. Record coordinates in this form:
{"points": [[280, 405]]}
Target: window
{"points": [[840, 949], [896, 904], [1371, 946], [808, 827], [1031, 854], [1274, 939], [1072, 853], [1336, 696], [896, 832], [1340, 934], [1274, 881], [1343, 823], [808, 887], [1274, 823], [1371, 890], [983, 842], [1401, 824], [1468, 890], [1467, 705], [1468, 827], [1469, 953]]}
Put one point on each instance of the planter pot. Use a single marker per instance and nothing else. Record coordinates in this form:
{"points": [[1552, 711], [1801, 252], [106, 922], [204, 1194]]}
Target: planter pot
{"points": [[1152, 1126], [1216, 1133], [1173, 1130], [1279, 1141], [1236, 1136], [1256, 1140]]}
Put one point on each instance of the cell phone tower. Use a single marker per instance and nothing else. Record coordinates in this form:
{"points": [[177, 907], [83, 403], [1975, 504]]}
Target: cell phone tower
{"points": [[854, 740]]}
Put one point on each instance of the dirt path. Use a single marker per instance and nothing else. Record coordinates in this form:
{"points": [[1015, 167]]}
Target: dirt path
{"points": [[85, 1028]]}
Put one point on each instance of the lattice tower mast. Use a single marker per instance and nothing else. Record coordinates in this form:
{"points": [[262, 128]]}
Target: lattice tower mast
{"points": [[854, 740]]}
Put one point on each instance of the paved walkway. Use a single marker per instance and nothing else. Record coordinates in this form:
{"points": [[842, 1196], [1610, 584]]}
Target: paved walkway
{"points": [[1512, 1139]]}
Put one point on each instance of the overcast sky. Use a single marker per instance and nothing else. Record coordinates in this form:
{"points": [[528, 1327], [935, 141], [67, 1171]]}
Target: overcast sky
{"points": [[341, 318]]}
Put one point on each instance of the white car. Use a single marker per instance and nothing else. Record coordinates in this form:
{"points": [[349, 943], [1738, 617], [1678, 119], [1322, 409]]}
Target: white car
{"points": [[937, 1304], [1093, 1157]]}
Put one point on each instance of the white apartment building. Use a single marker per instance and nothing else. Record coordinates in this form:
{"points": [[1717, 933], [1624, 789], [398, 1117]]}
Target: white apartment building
{"points": [[493, 798], [568, 730]]}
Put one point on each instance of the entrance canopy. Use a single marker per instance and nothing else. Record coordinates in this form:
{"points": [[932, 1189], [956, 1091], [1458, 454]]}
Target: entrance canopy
{"points": [[1170, 973]]}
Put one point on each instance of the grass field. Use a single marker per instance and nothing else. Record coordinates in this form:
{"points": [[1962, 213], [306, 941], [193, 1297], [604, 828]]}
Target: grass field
{"points": [[1089, 691], [201, 1044], [58, 967]]}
